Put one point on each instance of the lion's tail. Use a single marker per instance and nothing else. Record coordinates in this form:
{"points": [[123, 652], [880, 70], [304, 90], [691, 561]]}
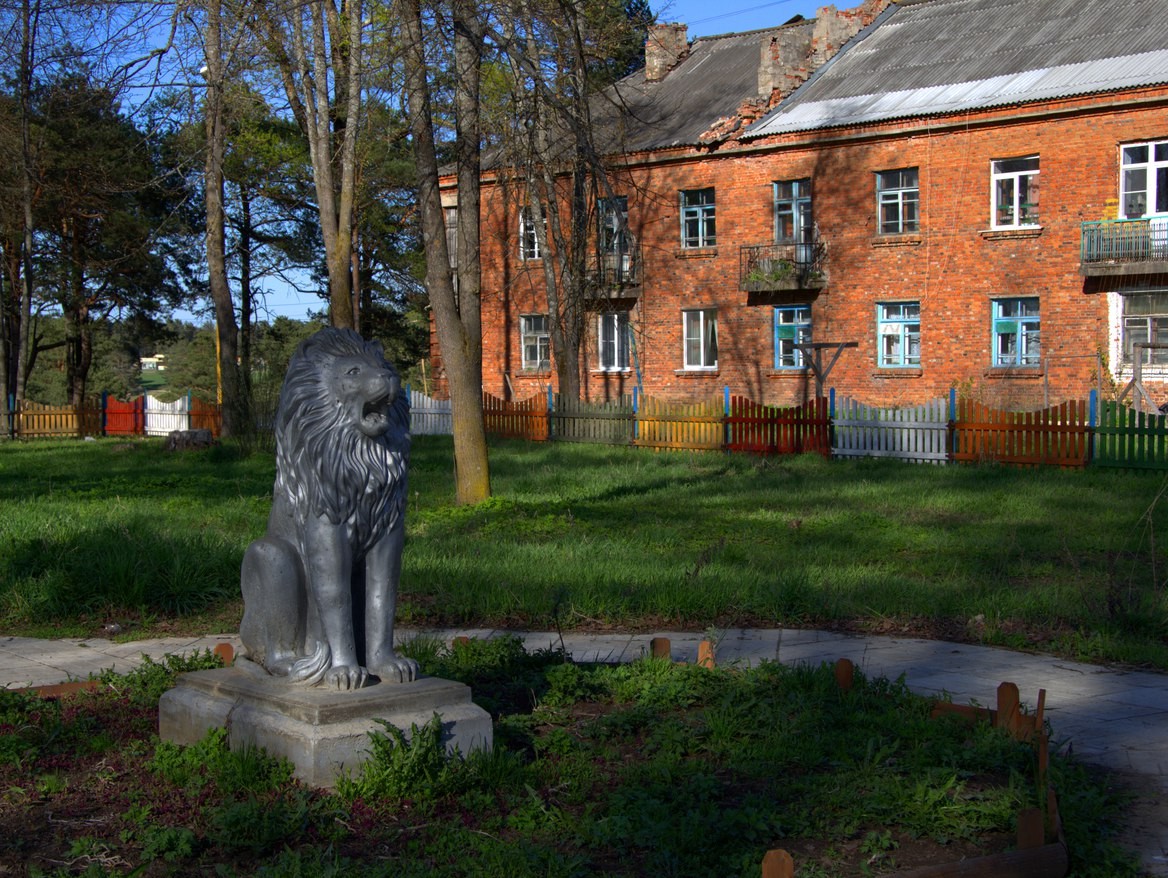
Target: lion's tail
{"points": [[310, 670]]}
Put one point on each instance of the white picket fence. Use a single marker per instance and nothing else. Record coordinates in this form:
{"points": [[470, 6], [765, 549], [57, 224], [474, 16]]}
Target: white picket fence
{"points": [[916, 433], [163, 417], [430, 417]]}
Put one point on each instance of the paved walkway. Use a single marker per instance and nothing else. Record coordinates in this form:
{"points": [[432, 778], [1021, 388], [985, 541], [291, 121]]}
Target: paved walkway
{"points": [[1114, 718]]}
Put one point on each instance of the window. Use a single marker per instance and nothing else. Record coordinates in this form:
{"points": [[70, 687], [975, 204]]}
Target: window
{"points": [[793, 212], [897, 197], [536, 348], [528, 239], [1016, 341], [614, 341], [614, 225], [1145, 320], [792, 326], [615, 241], [697, 218], [1014, 190], [1144, 182], [450, 217], [898, 325], [701, 338]]}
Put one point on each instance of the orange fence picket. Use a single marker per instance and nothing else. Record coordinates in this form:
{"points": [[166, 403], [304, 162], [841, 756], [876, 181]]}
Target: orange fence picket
{"points": [[206, 416], [765, 429], [1058, 436], [523, 419]]}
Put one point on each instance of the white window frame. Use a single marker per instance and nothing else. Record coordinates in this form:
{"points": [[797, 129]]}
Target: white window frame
{"points": [[898, 335], [1016, 331], [793, 211], [535, 342], [1147, 196], [450, 221], [613, 333], [1145, 319], [1014, 193], [791, 326], [698, 218], [529, 249], [898, 197], [699, 333]]}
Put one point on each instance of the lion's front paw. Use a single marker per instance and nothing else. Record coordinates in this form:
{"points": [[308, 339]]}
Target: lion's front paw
{"points": [[344, 677], [395, 669]]}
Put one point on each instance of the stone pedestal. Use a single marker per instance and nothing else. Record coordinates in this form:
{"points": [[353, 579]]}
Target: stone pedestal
{"points": [[321, 733]]}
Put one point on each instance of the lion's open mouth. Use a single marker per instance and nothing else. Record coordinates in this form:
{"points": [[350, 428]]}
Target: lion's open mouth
{"points": [[375, 413]]}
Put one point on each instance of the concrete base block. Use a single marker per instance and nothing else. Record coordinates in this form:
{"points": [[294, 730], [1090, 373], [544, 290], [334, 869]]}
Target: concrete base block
{"points": [[321, 733]]}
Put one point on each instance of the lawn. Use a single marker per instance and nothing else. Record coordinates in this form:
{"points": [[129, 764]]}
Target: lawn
{"points": [[1068, 562]]}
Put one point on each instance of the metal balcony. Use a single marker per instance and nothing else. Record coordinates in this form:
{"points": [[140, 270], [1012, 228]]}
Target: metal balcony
{"points": [[1124, 247], [766, 268], [616, 274]]}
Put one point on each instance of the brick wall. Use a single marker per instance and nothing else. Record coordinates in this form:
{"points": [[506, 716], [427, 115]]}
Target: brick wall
{"points": [[954, 267]]}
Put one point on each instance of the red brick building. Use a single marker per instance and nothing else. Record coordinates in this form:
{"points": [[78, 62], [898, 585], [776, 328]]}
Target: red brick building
{"points": [[967, 193]]}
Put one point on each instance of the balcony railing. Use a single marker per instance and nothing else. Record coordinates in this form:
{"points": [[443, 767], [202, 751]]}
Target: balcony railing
{"points": [[614, 272], [1124, 247], [765, 268]]}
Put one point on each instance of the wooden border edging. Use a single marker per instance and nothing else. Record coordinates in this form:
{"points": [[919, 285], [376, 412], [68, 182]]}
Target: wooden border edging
{"points": [[1041, 850]]}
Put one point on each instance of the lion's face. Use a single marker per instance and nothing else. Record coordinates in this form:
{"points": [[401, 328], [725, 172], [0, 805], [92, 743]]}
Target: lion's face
{"points": [[364, 390]]}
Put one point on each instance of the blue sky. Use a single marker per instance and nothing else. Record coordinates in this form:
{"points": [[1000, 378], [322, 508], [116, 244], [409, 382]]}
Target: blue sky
{"points": [[703, 17], [706, 17]]}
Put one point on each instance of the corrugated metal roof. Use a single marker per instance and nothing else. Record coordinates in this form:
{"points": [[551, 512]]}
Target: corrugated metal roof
{"points": [[718, 75], [944, 56]]}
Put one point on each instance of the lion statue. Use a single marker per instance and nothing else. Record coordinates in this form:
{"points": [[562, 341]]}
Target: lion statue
{"points": [[320, 587]]}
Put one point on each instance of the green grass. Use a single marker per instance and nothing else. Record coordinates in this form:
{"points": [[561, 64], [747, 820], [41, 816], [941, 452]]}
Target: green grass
{"points": [[1069, 561]]}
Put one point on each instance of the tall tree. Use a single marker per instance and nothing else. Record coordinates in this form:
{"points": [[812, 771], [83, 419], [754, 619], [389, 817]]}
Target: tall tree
{"points": [[318, 49], [100, 216], [562, 56], [232, 398], [457, 313]]}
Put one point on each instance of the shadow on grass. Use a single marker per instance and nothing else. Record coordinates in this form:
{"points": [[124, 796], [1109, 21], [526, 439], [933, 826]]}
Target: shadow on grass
{"points": [[135, 564]]}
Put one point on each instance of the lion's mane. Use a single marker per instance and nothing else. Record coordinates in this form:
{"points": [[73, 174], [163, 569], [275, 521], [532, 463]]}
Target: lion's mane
{"points": [[325, 464]]}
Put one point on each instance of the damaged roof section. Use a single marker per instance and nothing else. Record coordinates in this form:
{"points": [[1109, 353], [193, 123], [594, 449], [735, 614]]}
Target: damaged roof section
{"points": [[932, 57], [709, 91]]}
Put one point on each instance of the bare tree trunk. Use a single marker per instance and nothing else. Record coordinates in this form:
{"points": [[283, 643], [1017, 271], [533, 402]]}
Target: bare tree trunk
{"points": [[216, 237], [305, 72], [29, 18], [458, 319]]}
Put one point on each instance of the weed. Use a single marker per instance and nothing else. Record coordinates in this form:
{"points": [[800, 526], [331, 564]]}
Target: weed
{"points": [[398, 767]]}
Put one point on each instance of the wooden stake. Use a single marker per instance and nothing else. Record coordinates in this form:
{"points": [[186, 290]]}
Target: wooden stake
{"points": [[845, 674], [706, 654], [1030, 829], [1009, 708], [659, 647], [778, 864]]}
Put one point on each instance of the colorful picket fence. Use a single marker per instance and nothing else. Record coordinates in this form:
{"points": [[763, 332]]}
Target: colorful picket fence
{"points": [[516, 419], [920, 433], [34, 420], [124, 418], [430, 417], [1066, 435], [1055, 436], [767, 429], [695, 425], [1130, 439], [607, 423], [107, 416]]}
